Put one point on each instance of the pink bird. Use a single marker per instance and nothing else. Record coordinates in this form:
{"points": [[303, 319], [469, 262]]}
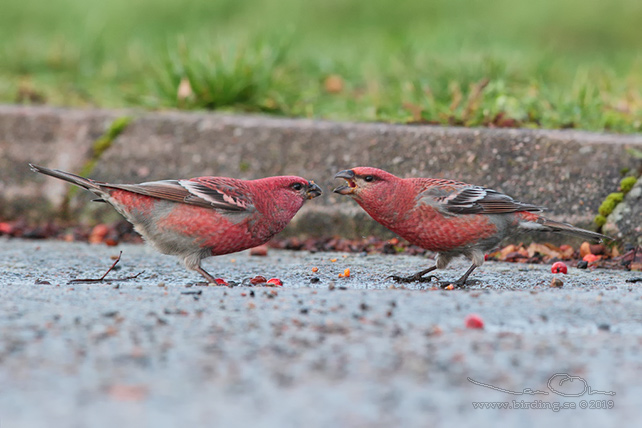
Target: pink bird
{"points": [[446, 216], [202, 217]]}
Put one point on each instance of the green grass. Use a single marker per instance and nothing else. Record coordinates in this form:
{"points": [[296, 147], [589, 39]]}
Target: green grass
{"points": [[550, 64]]}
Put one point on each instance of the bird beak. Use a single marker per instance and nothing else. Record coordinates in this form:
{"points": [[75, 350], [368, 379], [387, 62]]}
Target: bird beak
{"points": [[313, 190], [347, 175]]}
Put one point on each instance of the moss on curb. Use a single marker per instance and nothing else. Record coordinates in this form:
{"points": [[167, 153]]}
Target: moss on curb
{"points": [[600, 220], [612, 200], [610, 203], [627, 183]]}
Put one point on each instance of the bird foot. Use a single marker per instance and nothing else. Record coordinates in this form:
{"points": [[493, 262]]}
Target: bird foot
{"points": [[412, 278], [459, 284]]}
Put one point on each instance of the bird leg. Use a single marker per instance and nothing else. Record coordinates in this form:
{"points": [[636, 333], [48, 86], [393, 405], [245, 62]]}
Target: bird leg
{"points": [[418, 277], [209, 278], [461, 282]]}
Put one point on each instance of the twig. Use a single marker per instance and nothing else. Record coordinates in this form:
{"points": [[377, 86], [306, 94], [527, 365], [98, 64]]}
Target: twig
{"points": [[102, 278]]}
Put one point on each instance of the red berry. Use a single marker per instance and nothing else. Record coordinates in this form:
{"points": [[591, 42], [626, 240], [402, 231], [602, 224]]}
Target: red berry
{"points": [[275, 281], [5, 228], [221, 281], [559, 267], [474, 321]]}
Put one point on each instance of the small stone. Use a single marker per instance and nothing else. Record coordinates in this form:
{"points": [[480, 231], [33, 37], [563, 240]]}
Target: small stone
{"points": [[557, 283]]}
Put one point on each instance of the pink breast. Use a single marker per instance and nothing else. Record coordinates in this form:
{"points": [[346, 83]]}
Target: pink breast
{"points": [[435, 232]]}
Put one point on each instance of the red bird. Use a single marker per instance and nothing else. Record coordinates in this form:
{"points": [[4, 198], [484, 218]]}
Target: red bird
{"points": [[446, 216], [202, 217]]}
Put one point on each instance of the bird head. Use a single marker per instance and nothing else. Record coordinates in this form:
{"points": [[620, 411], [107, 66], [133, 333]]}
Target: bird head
{"points": [[288, 192], [297, 187], [362, 182]]}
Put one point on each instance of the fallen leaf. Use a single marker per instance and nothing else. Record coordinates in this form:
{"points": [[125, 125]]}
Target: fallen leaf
{"points": [[98, 233], [258, 280], [542, 249], [597, 249], [566, 251], [260, 251], [506, 251]]}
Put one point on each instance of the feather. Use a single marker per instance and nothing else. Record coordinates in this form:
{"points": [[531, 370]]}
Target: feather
{"points": [[460, 198], [209, 192]]}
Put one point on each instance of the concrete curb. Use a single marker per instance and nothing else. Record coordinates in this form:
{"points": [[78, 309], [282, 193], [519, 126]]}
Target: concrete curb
{"points": [[568, 171]]}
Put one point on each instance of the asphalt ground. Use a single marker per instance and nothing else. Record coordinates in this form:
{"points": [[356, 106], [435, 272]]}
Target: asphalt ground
{"points": [[360, 351]]}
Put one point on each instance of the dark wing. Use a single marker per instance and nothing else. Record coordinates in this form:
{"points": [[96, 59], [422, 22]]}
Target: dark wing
{"points": [[467, 199], [208, 192]]}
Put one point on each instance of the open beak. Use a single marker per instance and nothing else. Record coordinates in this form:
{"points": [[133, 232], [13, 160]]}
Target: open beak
{"points": [[313, 190], [346, 189]]}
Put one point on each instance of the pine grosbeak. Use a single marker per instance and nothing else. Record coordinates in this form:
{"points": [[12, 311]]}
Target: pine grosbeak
{"points": [[202, 217], [446, 216]]}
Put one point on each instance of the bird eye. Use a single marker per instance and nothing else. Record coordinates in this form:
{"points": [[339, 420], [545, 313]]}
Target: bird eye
{"points": [[297, 186], [368, 178]]}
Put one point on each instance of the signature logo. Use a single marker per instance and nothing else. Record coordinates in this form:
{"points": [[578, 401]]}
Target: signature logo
{"points": [[560, 383]]}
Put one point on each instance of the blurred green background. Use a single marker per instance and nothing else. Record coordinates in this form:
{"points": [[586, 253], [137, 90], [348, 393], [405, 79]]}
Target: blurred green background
{"points": [[546, 63]]}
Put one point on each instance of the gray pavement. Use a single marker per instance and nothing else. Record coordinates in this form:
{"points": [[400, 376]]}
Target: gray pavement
{"points": [[344, 352]]}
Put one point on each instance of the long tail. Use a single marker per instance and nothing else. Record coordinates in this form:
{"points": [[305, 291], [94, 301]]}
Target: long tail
{"points": [[543, 224], [85, 183]]}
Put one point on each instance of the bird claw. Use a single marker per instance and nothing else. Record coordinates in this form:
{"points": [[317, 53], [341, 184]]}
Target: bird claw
{"points": [[412, 278]]}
